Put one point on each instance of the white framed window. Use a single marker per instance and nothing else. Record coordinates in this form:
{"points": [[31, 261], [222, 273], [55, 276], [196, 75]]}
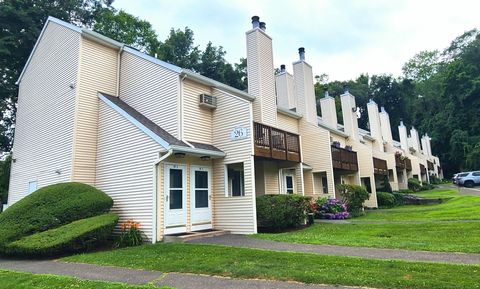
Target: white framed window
{"points": [[234, 180], [32, 187]]}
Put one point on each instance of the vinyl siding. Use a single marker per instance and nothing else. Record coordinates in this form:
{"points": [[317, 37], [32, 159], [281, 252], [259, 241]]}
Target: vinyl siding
{"points": [[287, 123], [306, 103], [152, 90], [316, 151], [197, 125], [236, 214], [98, 73], [270, 170], [125, 167], [365, 169], [45, 116], [308, 182], [261, 80], [286, 97], [188, 162]]}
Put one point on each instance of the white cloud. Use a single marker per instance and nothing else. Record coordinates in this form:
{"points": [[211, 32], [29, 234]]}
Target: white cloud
{"points": [[342, 38]]}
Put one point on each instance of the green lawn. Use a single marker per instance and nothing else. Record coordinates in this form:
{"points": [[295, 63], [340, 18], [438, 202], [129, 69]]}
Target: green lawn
{"points": [[458, 208], [18, 280], [309, 268], [447, 237], [405, 227]]}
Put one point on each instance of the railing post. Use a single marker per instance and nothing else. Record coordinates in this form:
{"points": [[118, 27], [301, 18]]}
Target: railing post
{"points": [[270, 141], [286, 144]]}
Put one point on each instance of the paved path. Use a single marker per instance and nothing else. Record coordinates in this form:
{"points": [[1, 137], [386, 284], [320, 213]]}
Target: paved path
{"points": [[133, 276], [363, 252], [349, 222]]}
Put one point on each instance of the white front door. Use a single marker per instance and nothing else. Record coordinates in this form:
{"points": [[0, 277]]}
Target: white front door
{"points": [[175, 199], [200, 198]]}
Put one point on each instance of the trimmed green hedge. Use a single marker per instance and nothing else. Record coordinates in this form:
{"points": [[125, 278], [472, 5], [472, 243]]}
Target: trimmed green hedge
{"points": [[279, 212], [385, 199], [51, 207], [78, 236]]}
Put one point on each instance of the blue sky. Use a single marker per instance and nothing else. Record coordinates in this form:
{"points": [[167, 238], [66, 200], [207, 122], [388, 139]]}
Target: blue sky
{"points": [[342, 38]]}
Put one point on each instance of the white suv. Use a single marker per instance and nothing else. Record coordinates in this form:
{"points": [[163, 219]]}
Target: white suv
{"points": [[468, 179]]}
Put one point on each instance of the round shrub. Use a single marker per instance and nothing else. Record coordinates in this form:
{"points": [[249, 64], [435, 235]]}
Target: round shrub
{"points": [[414, 184], [353, 196], [50, 207], [385, 199], [78, 236], [406, 191], [279, 212]]}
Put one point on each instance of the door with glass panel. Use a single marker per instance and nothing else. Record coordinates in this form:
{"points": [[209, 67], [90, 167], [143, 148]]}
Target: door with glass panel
{"points": [[175, 199], [200, 198], [288, 182]]}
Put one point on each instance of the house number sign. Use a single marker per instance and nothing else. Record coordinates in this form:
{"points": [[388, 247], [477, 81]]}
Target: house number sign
{"points": [[239, 133]]}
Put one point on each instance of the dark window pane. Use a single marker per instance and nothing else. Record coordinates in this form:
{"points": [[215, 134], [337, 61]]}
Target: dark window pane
{"points": [[176, 178], [201, 198], [236, 184], [176, 199], [289, 182], [201, 179], [235, 176], [324, 184], [289, 191]]}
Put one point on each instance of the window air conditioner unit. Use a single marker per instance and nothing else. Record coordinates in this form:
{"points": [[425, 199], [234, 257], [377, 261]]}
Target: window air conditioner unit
{"points": [[208, 101]]}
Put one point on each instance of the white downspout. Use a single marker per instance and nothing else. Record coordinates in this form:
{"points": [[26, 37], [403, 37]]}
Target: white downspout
{"points": [[155, 193], [119, 63]]}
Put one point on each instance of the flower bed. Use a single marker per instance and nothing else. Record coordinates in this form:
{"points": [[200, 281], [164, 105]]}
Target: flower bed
{"points": [[331, 209]]}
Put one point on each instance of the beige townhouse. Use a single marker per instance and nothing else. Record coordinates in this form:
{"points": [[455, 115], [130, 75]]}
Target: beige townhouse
{"points": [[177, 151]]}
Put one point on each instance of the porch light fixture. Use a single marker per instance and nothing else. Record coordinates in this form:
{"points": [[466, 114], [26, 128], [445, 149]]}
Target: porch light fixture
{"points": [[205, 158], [180, 155]]}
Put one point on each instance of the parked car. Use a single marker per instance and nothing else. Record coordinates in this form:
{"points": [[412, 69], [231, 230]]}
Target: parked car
{"points": [[468, 179], [454, 178]]}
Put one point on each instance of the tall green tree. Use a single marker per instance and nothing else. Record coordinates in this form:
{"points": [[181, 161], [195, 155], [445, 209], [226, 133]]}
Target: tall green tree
{"points": [[126, 28], [20, 24], [4, 179], [179, 48]]}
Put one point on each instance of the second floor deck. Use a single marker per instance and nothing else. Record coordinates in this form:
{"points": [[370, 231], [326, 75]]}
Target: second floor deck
{"points": [[344, 159], [274, 143]]}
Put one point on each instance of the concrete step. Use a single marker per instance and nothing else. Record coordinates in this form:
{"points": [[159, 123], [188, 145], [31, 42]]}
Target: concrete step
{"points": [[185, 237]]}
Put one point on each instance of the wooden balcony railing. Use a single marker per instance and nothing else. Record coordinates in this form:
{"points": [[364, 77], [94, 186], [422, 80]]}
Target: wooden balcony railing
{"points": [[380, 167], [275, 143], [408, 164], [423, 170], [344, 159], [399, 163], [430, 166]]}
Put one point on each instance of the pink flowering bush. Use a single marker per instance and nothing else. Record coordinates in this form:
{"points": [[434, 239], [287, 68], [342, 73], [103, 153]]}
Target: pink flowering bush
{"points": [[331, 209]]}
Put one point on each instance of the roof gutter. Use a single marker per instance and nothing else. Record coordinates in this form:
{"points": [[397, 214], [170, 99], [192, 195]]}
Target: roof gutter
{"points": [[97, 37], [289, 113], [210, 82], [332, 130], [197, 151]]}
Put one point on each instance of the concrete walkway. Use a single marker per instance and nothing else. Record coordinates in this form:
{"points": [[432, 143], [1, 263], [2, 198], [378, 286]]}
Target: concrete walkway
{"points": [[363, 252], [137, 277]]}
